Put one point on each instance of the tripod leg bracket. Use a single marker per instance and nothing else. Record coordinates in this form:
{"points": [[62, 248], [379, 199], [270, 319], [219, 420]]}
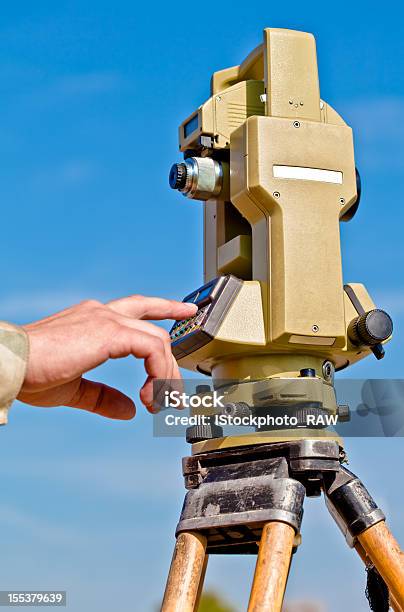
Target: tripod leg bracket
{"points": [[351, 505], [233, 502]]}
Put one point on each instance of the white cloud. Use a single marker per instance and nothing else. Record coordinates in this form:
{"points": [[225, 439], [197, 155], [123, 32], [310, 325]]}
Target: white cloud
{"points": [[72, 172], [74, 87], [121, 477], [391, 300], [378, 130], [377, 116], [40, 304], [41, 529], [33, 88], [87, 83]]}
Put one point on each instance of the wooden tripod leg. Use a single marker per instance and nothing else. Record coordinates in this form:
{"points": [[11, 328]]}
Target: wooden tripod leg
{"points": [[202, 580], [186, 571], [272, 568], [362, 553], [385, 554]]}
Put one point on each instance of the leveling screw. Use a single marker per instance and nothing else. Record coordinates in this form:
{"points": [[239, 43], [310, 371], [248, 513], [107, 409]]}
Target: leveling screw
{"points": [[328, 371]]}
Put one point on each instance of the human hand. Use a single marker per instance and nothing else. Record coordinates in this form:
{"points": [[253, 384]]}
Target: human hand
{"points": [[73, 341]]}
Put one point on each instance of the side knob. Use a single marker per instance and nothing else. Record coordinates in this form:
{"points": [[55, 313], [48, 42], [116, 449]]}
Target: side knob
{"points": [[370, 328], [198, 433], [237, 409]]}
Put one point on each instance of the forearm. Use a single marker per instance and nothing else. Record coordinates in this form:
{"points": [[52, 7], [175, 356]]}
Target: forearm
{"points": [[13, 364]]}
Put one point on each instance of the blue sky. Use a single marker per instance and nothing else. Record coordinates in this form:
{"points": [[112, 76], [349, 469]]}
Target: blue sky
{"points": [[91, 96]]}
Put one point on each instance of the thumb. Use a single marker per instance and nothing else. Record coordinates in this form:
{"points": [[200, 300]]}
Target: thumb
{"points": [[103, 400]]}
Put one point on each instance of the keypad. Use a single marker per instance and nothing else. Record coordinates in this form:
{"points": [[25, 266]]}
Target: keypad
{"points": [[187, 326]]}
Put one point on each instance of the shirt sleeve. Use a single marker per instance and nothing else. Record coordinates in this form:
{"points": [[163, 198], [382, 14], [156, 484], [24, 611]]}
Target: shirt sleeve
{"points": [[14, 348]]}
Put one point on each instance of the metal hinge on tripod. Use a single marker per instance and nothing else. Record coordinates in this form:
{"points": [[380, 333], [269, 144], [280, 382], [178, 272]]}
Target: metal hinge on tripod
{"points": [[233, 493]]}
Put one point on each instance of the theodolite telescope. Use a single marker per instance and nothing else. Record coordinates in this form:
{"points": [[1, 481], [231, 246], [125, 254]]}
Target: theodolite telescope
{"points": [[274, 165]]}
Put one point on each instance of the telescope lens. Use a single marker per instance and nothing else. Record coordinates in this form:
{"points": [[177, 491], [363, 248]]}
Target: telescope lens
{"points": [[177, 176]]}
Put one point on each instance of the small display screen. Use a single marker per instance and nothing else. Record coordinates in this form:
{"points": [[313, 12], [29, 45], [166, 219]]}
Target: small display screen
{"points": [[191, 126], [203, 294]]}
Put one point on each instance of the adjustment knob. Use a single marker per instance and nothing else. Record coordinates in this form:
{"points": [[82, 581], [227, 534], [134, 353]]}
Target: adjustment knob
{"points": [[351, 212], [198, 433], [236, 409], [178, 176], [199, 389], [370, 328], [344, 413]]}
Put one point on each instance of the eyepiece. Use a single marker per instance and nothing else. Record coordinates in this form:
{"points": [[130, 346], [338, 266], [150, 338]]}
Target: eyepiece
{"points": [[177, 176], [199, 178]]}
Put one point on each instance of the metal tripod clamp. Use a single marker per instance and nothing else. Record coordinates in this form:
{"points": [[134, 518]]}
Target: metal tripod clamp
{"points": [[351, 505], [233, 501]]}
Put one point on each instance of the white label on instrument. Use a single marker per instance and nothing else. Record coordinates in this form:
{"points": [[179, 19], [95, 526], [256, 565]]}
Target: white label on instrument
{"points": [[308, 174]]}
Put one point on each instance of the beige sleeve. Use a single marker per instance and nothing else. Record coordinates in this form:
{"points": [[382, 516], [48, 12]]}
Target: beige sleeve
{"points": [[14, 349]]}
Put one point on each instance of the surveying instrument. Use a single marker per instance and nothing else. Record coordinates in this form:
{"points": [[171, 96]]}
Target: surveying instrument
{"points": [[274, 165]]}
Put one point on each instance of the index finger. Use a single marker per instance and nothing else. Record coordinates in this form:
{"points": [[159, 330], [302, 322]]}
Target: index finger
{"points": [[142, 307]]}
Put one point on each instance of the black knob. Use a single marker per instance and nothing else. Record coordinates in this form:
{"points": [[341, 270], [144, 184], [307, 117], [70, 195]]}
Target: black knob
{"points": [[308, 373], [344, 413], [198, 433], [371, 328], [202, 389], [237, 409], [177, 176], [351, 212]]}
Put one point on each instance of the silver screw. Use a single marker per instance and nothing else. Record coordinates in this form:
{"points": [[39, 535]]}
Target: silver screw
{"points": [[328, 371], [315, 328], [296, 124], [218, 98], [342, 201], [276, 194]]}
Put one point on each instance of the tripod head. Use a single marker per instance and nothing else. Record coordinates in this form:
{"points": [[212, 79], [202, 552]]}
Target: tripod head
{"points": [[274, 165]]}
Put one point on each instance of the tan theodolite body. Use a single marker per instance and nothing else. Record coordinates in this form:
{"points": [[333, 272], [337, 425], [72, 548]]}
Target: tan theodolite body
{"points": [[279, 177]]}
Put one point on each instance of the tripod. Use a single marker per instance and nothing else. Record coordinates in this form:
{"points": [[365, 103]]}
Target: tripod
{"points": [[246, 499]]}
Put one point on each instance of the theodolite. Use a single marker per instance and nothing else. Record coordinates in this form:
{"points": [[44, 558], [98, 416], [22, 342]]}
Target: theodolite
{"points": [[274, 165]]}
